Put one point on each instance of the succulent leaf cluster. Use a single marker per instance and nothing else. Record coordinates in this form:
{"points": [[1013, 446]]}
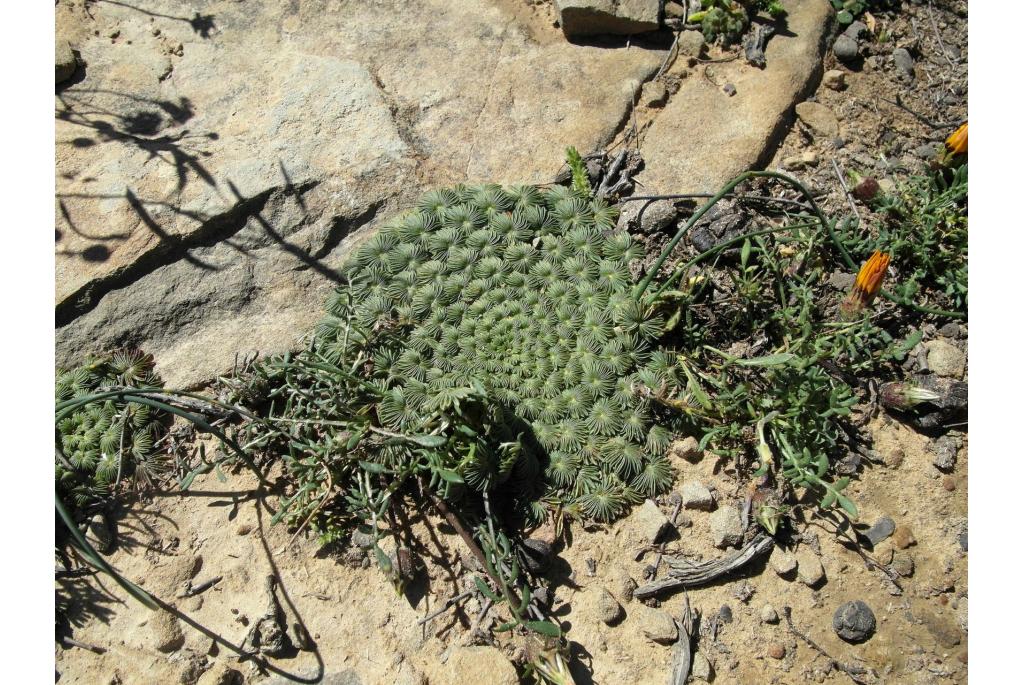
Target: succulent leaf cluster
{"points": [[105, 439], [521, 298]]}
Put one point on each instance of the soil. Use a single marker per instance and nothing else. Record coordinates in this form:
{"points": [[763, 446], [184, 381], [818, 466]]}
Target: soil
{"points": [[365, 632]]}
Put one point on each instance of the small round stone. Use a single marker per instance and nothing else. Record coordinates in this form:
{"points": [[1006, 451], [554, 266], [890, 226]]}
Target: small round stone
{"points": [[776, 651], [904, 537], [845, 48], [854, 621], [611, 611], [769, 615]]}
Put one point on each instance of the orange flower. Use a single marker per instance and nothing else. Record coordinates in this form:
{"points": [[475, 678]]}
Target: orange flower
{"points": [[869, 280], [957, 141], [866, 287]]}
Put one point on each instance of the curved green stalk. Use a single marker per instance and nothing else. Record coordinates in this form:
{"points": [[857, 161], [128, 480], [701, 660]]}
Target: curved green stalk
{"points": [[94, 558], [656, 267], [718, 248]]}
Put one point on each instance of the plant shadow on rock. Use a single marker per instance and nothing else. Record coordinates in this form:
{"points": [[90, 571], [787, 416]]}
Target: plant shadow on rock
{"points": [[202, 24]]}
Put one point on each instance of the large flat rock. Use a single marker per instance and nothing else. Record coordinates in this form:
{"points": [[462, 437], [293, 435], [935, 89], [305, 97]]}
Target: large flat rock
{"points": [[216, 160], [704, 137]]}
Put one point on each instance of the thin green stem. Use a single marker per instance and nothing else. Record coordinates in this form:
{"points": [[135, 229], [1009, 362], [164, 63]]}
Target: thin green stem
{"points": [[656, 267], [94, 558], [718, 248]]}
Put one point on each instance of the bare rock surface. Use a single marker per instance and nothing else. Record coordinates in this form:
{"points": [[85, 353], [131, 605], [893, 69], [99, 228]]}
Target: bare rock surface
{"points": [[704, 137], [479, 665], [214, 171]]}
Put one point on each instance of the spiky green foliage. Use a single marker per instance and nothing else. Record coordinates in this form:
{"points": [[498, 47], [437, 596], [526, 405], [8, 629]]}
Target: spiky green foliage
{"points": [[106, 440], [510, 309]]}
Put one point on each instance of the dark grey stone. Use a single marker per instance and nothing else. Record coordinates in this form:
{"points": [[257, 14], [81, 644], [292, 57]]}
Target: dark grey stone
{"points": [[849, 465], [855, 29], [854, 621], [944, 449], [904, 61], [883, 528], [845, 48], [950, 330]]}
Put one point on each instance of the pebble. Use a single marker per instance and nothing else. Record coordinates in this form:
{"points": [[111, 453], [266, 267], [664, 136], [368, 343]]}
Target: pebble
{"points": [[841, 280], [361, 539], [64, 61], [725, 613], [903, 564], [611, 610], [647, 524], [854, 621], [881, 530], [904, 62], [658, 627], [926, 151], [769, 614], [819, 118], [950, 330], [855, 29], [834, 79], [845, 48], [688, 448], [654, 94], [726, 528], [792, 163], [729, 89], [849, 465], [243, 529], [884, 556], [537, 554], [700, 669], [674, 10], [904, 537], [220, 674], [948, 483], [776, 650], [165, 632], [99, 535], [945, 359], [656, 216], [782, 562], [626, 586], [809, 569], [696, 496], [691, 43]]}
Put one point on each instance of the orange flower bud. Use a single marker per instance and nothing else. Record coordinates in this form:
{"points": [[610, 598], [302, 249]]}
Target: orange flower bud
{"points": [[956, 144], [866, 287]]}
